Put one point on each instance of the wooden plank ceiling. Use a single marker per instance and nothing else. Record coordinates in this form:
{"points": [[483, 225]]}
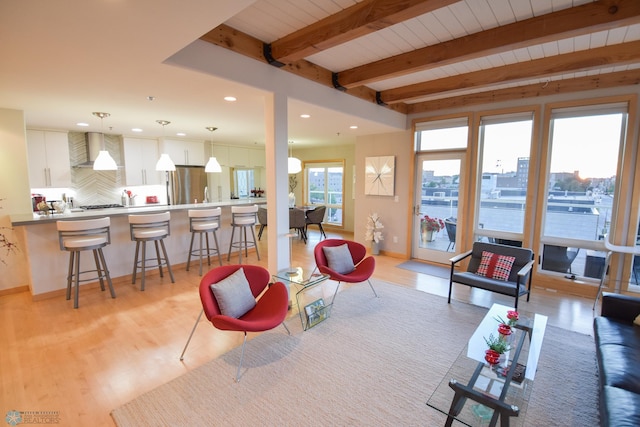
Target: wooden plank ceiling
{"points": [[418, 56]]}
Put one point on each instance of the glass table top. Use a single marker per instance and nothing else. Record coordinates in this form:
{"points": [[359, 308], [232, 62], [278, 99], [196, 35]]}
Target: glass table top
{"points": [[296, 276]]}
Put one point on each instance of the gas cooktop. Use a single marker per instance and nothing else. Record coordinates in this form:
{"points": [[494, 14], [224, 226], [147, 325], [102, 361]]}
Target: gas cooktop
{"points": [[89, 207]]}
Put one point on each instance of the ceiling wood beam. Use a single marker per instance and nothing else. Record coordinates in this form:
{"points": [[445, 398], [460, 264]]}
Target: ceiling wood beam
{"points": [[571, 22], [355, 21], [580, 84], [249, 46], [619, 54]]}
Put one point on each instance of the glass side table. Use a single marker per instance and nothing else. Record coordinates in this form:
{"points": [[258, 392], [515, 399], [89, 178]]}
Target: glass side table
{"points": [[311, 301]]}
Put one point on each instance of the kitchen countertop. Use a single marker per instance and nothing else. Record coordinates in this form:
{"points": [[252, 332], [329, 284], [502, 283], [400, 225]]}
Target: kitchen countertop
{"points": [[34, 218]]}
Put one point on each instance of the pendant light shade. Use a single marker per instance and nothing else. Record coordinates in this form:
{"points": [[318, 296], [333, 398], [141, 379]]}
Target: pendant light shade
{"points": [[294, 165], [212, 165], [104, 161], [165, 163]]}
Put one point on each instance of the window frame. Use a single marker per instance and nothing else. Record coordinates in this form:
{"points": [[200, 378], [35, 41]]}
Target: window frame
{"points": [[326, 164]]}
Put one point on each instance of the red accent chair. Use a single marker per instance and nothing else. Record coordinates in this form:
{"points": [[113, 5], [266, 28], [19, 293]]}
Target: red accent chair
{"points": [[269, 312], [364, 265]]}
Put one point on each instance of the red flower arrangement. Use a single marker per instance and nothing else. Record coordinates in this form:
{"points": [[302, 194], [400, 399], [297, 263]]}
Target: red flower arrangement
{"points": [[428, 223]]}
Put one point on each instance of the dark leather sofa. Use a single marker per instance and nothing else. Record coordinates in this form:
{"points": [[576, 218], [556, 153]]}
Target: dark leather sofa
{"points": [[618, 352]]}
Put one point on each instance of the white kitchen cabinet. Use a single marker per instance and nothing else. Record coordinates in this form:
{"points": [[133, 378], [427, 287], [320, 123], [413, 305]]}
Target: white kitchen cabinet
{"points": [[189, 153], [239, 157], [140, 157], [257, 158], [49, 164], [221, 153]]}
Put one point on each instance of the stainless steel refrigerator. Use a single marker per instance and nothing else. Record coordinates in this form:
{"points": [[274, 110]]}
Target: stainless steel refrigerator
{"points": [[188, 183]]}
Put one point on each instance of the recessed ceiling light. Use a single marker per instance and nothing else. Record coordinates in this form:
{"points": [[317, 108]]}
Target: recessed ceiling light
{"points": [[230, 98], [82, 124], [305, 116], [353, 127], [136, 130], [181, 134]]}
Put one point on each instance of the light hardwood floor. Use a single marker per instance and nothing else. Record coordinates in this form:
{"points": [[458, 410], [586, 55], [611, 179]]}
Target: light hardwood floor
{"points": [[83, 363]]}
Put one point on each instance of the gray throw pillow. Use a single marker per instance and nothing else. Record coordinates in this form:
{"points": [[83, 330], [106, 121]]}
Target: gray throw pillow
{"points": [[233, 295], [339, 258]]}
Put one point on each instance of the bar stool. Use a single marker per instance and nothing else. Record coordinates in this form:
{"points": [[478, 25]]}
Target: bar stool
{"points": [[203, 222], [243, 217], [85, 235], [150, 228]]}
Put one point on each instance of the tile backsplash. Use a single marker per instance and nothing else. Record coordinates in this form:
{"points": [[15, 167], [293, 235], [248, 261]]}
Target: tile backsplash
{"points": [[96, 187]]}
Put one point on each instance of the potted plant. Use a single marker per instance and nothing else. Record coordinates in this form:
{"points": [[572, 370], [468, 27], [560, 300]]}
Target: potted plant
{"points": [[374, 232], [429, 226], [497, 347], [505, 327]]}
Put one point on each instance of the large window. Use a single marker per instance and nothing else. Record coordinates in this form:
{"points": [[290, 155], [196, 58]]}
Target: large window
{"points": [[505, 145], [324, 183], [581, 180]]}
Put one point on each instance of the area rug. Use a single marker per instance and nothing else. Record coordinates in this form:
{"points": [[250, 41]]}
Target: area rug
{"points": [[424, 268], [375, 361]]}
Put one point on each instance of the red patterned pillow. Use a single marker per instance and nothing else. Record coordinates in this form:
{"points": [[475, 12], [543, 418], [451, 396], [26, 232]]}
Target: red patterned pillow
{"points": [[495, 266]]}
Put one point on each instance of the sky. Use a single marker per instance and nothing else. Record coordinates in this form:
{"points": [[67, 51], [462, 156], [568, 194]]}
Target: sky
{"points": [[589, 145]]}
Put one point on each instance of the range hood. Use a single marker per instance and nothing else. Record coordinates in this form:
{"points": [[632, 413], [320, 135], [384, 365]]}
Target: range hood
{"points": [[93, 142]]}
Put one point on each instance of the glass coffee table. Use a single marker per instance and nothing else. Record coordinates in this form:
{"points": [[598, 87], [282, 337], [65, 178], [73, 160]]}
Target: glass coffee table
{"points": [[311, 300], [474, 394]]}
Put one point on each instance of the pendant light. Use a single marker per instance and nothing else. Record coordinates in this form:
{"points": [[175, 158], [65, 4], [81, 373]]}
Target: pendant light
{"points": [[212, 165], [165, 164], [104, 161], [294, 165]]}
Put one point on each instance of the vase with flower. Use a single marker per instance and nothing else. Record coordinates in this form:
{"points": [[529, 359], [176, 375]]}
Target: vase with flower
{"points": [[374, 232], [429, 226]]}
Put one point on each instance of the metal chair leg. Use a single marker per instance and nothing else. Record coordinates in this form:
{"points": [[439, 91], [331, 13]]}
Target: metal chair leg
{"points": [[244, 343], [70, 274], [374, 291], [106, 273], [76, 294], [191, 334], [285, 326], [166, 260]]}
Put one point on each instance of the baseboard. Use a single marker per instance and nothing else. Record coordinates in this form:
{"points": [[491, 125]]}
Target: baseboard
{"points": [[16, 290]]}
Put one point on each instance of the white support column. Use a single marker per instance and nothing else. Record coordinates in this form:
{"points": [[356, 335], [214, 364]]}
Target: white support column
{"points": [[276, 145]]}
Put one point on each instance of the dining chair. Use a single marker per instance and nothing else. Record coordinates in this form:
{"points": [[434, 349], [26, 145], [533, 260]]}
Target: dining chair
{"points": [[316, 217]]}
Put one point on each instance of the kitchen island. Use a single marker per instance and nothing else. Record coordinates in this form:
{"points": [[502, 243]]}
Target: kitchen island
{"points": [[48, 264]]}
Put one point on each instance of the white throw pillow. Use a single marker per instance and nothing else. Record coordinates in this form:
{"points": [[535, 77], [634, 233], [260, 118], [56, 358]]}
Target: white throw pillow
{"points": [[339, 258], [233, 295]]}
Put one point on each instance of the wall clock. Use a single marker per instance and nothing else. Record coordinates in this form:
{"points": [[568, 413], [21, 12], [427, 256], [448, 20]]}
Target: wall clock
{"points": [[379, 175]]}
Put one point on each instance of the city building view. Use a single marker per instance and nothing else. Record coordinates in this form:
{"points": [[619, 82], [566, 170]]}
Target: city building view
{"points": [[579, 191]]}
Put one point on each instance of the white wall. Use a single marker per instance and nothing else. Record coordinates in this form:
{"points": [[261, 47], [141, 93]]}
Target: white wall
{"points": [[15, 195]]}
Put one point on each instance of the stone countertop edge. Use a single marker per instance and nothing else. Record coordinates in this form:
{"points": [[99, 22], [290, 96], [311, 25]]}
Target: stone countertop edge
{"points": [[34, 218]]}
